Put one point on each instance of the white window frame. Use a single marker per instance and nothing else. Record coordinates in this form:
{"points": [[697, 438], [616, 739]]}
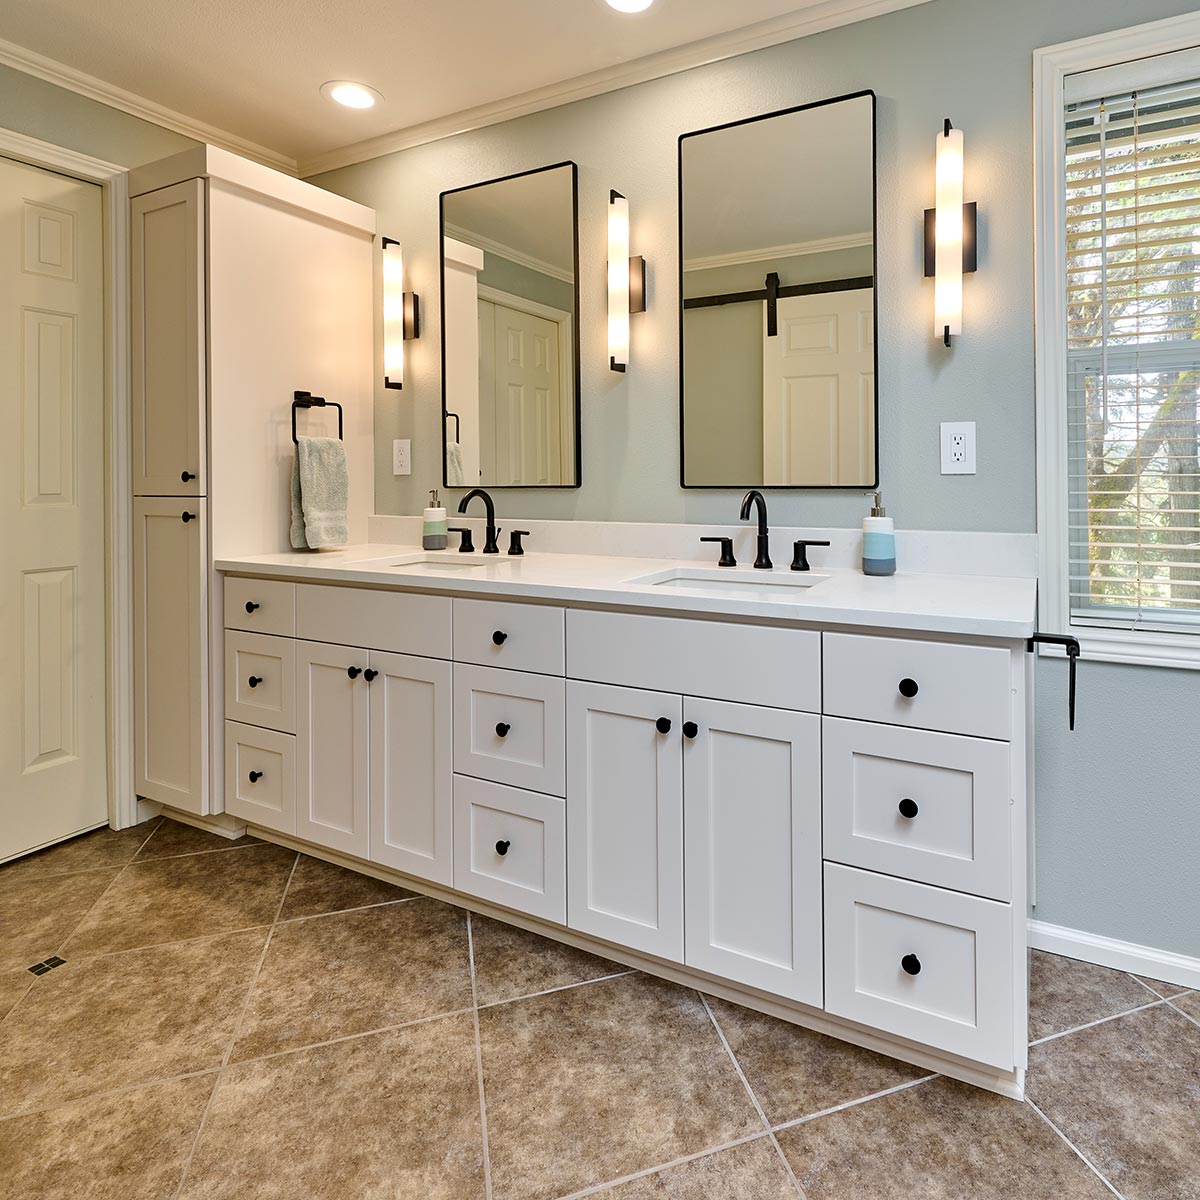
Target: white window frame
{"points": [[1051, 65]]}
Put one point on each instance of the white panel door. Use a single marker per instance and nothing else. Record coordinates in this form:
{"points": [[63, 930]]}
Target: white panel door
{"points": [[752, 815], [53, 774], [625, 817], [819, 391], [167, 337], [332, 731], [170, 652], [411, 787]]}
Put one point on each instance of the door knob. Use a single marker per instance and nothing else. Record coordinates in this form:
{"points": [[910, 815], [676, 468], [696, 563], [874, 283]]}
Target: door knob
{"points": [[370, 675], [690, 729], [186, 517], [908, 688], [911, 964], [254, 680], [499, 637], [251, 606], [354, 672], [255, 776], [502, 729], [663, 724], [502, 848], [186, 476], [908, 808]]}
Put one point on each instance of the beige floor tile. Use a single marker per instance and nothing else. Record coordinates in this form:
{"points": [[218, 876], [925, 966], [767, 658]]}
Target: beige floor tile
{"points": [[1065, 993], [795, 1072], [751, 1171], [356, 971], [171, 899], [594, 1083], [938, 1141], [129, 1146], [1127, 1093], [98, 850], [38, 912], [13, 985], [394, 1116], [320, 887], [102, 1023], [1189, 1003], [1167, 990], [511, 962], [174, 837]]}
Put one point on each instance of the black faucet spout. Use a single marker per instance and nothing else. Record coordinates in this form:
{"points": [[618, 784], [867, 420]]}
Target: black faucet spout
{"points": [[491, 533], [755, 498]]}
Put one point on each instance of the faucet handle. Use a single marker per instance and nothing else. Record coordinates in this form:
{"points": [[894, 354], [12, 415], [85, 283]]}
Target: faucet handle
{"points": [[727, 559], [466, 545], [514, 541], [800, 553]]}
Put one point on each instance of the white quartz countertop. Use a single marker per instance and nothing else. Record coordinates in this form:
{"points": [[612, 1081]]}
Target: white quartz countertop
{"points": [[972, 605]]}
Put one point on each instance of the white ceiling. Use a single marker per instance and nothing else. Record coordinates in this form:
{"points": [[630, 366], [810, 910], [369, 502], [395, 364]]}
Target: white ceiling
{"points": [[252, 68]]}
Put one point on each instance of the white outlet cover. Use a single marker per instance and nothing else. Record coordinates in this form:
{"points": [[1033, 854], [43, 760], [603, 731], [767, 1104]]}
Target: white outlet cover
{"points": [[958, 447], [402, 456]]}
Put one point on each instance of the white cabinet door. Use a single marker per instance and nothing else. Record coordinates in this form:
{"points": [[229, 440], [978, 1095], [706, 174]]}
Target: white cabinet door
{"points": [[167, 304], [625, 817], [170, 658], [332, 725], [412, 807], [752, 812]]}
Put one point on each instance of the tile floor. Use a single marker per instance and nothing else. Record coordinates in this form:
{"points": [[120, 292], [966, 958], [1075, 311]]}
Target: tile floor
{"points": [[235, 1020]]}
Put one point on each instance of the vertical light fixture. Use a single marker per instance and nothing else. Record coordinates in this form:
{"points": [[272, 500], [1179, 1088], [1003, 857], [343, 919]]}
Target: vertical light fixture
{"points": [[401, 314], [949, 235], [626, 282]]}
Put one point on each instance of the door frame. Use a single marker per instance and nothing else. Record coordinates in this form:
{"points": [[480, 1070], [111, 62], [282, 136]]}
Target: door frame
{"points": [[113, 181]]}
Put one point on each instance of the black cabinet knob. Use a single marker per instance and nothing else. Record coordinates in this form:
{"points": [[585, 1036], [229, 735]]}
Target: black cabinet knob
{"points": [[908, 808], [186, 476], [354, 672], [911, 964], [186, 517], [499, 638], [908, 688], [370, 675], [663, 724], [254, 680], [251, 606], [255, 776], [690, 729], [502, 729], [502, 848]]}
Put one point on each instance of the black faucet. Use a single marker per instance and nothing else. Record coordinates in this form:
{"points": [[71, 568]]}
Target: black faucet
{"points": [[492, 532], [754, 496]]}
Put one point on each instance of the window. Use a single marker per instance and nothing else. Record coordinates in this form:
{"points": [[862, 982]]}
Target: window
{"points": [[1121, 565]]}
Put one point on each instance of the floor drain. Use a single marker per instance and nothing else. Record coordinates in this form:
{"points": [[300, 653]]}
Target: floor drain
{"points": [[46, 965]]}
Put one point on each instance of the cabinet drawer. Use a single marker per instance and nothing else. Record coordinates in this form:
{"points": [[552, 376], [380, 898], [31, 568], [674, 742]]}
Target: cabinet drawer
{"points": [[400, 622], [958, 689], [926, 806], [509, 727], [510, 846], [522, 637], [260, 776], [921, 962], [754, 664], [260, 680], [260, 605]]}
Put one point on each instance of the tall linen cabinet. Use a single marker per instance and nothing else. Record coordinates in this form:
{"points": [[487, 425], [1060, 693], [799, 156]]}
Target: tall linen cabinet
{"points": [[247, 285]]}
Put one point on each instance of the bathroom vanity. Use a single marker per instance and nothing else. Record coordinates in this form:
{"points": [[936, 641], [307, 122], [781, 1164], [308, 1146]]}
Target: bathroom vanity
{"points": [[807, 795]]}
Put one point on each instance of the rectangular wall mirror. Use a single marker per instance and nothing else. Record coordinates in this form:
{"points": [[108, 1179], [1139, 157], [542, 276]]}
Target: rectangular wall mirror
{"points": [[510, 331], [777, 279]]}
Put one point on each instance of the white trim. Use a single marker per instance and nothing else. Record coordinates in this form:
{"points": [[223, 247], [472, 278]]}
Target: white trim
{"points": [[540, 265], [122, 800], [82, 84], [1166, 965], [222, 824], [844, 241], [831, 14], [1051, 66]]}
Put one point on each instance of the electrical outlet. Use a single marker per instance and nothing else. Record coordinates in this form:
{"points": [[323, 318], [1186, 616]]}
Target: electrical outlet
{"points": [[402, 456], [958, 447]]}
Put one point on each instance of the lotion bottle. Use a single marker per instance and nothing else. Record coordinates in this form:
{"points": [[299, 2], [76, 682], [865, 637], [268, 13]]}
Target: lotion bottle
{"points": [[434, 534], [879, 541]]}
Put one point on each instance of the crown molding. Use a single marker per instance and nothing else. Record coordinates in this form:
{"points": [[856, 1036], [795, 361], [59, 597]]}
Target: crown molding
{"points": [[82, 84], [828, 15], [540, 265], [737, 258]]}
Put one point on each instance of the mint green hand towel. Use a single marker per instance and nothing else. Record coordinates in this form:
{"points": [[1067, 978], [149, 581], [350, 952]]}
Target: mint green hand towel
{"points": [[320, 491]]}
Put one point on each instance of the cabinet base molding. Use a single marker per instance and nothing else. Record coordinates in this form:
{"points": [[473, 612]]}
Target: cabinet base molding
{"points": [[1005, 1083], [221, 824], [1166, 965]]}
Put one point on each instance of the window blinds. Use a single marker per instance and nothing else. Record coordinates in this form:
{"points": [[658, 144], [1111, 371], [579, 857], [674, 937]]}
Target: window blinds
{"points": [[1132, 222]]}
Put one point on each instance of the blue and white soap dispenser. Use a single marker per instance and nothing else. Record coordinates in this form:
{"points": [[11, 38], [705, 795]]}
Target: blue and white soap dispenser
{"points": [[879, 541]]}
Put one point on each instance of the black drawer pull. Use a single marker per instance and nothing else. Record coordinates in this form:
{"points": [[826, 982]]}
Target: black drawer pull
{"points": [[908, 808], [663, 724], [499, 637], [502, 848], [254, 680], [186, 476], [354, 672], [908, 688], [255, 776], [186, 517], [690, 729], [370, 675], [502, 729], [251, 606], [911, 964]]}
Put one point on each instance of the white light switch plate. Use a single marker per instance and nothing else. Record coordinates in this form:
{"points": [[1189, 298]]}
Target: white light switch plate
{"points": [[958, 447], [402, 456]]}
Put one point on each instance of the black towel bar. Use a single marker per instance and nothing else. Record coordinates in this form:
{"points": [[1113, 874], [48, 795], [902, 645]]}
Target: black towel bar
{"points": [[308, 400], [457, 427]]}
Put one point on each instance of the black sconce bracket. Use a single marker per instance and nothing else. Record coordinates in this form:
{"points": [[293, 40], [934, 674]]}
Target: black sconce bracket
{"points": [[970, 229]]}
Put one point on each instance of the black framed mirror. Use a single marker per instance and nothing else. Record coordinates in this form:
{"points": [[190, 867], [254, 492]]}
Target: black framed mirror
{"points": [[778, 311], [510, 331]]}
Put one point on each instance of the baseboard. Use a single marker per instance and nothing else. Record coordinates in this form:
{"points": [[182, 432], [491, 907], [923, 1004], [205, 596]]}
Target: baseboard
{"points": [[1121, 956], [221, 824]]}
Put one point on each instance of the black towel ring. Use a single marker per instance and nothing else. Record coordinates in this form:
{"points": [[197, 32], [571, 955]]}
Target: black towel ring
{"points": [[308, 400]]}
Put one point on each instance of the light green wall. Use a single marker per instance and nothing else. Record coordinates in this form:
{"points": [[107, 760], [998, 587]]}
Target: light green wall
{"points": [[1118, 825], [518, 280]]}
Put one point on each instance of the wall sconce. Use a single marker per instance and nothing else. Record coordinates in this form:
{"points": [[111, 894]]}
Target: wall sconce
{"points": [[950, 230], [401, 314], [626, 282]]}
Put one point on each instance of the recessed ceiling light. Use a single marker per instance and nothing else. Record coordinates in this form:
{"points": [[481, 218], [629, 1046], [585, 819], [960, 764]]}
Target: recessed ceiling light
{"points": [[350, 94], [630, 6]]}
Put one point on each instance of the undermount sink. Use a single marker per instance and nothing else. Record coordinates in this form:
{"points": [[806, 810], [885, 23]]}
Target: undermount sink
{"points": [[750, 584], [445, 561]]}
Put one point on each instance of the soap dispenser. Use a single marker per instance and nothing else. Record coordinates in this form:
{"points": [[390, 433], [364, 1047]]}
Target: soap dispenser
{"points": [[434, 534], [879, 541]]}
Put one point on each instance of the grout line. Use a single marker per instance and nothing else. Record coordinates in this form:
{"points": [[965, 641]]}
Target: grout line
{"points": [[337, 912], [20, 999], [1175, 1008], [1102, 1021], [826, 1112], [487, 1158], [1148, 988], [79, 870], [154, 858], [200, 937], [566, 987], [88, 1097], [1075, 1149]]}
